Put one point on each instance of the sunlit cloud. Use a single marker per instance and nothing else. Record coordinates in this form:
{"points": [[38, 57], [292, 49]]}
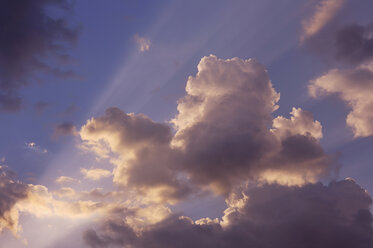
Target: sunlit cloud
{"points": [[128, 179], [355, 87], [161, 166], [66, 180], [95, 174]]}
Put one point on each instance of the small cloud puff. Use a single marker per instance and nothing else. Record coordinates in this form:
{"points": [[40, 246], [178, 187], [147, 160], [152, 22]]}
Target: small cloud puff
{"points": [[34, 147], [142, 43], [66, 180], [95, 174]]}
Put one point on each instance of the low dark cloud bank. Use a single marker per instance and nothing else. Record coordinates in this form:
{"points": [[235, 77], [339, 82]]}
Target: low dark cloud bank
{"points": [[314, 215], [28, 37]]}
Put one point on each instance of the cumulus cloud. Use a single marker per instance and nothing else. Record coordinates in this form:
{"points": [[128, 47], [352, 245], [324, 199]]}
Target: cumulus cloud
{"points": [[336, 215], [143, 149], [355, 87], [143, 44], [325, 11], [222, 137], [223, 128], [301, 122], [65, 128], [28, 38], [95, 174]]}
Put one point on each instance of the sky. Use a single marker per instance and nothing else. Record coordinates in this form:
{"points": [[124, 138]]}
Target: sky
{"points": [[173, 123]]}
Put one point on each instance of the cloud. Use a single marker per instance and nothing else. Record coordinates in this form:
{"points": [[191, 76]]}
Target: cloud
{"points": [[143, 149], [325, 11], [349, 49], [301, 122], [223, 137], [142, 43], [95, 174], [28, 38], [42, 203], [66, 180], [223, 128], [11, 191], [65, 128], [335, 215], [354, 43], [355, 87]]}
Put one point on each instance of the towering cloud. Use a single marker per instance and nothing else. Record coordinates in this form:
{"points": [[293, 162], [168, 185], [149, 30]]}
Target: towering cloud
{"points": [[222, 137], [28, 37], [223, 129]]}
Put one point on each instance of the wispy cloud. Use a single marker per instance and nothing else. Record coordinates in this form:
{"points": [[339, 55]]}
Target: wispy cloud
{"points": [[325, 11], [25, 43], [66, 180], [95, 174]]}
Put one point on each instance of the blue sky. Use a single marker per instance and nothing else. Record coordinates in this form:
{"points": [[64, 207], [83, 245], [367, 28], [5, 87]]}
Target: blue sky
{"points": [[138, 56]]}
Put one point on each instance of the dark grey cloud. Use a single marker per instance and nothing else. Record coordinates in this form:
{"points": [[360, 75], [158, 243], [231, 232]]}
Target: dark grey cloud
{"points": [[28, 37], [354, 43], [339, 34], [11, 191], [314, 215], [66, 128]]}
